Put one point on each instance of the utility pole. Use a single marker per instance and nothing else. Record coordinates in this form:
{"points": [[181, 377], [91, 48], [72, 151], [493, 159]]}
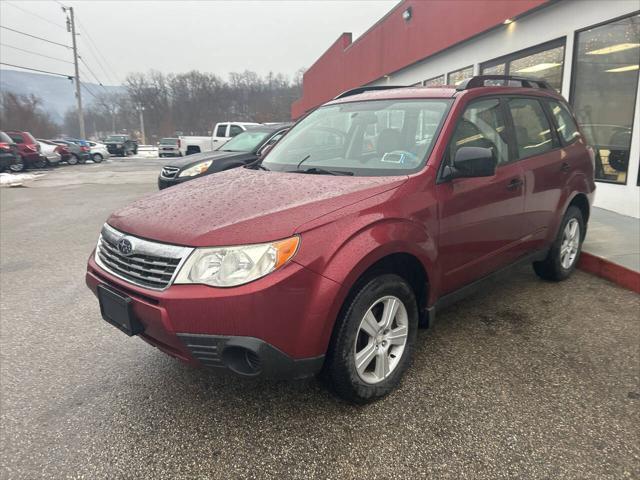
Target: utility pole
{"points": [[71, 27], [140, 108]]}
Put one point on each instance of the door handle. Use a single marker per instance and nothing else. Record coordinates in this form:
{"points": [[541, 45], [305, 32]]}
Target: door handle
{"points": [[565, 167], [514, 184]]}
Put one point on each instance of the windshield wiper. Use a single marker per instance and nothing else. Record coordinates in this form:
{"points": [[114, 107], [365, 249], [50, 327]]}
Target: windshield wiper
{"points": [[318, 170], [322, 171]]}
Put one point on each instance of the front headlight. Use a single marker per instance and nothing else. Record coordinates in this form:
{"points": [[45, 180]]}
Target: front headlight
{"points": [[196, 169], [233, 266], [118, 145]]}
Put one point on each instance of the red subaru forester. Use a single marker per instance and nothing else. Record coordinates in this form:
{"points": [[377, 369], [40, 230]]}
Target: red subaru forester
{"points": [[374, 212]]}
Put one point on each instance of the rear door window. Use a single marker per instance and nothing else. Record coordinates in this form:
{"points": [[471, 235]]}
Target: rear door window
{"points": [[221, 131], [532, 129], [566, 126]]}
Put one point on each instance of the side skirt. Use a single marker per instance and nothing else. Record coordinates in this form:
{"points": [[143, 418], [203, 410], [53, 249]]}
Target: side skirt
{"points": [[471, 288]]}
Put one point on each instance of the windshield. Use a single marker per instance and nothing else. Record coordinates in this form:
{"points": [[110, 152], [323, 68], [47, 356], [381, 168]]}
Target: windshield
{"points": [[245, 142], [115, 138], [169, 141], [382, 137]]}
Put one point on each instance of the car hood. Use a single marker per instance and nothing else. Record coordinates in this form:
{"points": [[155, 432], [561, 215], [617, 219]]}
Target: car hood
{"points": [[242, 206], [203, 157]]}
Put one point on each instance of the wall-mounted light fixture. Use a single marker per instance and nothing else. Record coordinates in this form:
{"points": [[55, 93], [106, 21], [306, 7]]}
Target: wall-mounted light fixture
{"points": [[406, 15], [508, 21]]}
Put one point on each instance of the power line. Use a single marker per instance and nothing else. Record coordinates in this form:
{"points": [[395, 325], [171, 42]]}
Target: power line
{"points": [[91, 72], [35, 15], [35, 53], [70, 77], [88, 90], [33, 36], [98, 54]]}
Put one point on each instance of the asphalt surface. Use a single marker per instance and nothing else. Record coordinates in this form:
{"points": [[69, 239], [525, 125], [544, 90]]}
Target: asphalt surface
{"points": [[525, 380]]}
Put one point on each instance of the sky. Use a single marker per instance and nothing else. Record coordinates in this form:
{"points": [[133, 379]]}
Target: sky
{"points": [[120, 37]]}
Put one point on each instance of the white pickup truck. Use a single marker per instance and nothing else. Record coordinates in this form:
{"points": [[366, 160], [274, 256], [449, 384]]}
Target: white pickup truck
{"points": [[221, 134]]}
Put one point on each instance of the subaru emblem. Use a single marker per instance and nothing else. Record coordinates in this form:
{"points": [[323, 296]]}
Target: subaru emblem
{"points": [[125, 247]]}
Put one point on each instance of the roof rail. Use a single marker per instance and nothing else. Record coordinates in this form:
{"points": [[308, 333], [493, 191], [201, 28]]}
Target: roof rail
{"points": [[528, 82], [372, 88]]}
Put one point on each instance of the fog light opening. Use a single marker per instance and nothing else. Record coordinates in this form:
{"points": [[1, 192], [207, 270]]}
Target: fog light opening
{"points": [[242, 361]]}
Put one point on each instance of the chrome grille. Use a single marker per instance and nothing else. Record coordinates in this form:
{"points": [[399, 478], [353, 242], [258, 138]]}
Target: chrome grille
{"points": [[169, 172], [150, 264]]}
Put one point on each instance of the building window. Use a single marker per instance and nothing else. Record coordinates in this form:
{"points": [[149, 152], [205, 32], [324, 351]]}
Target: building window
{"points": [[434, 82], [604, 89], [457, 76], [544, 61]]}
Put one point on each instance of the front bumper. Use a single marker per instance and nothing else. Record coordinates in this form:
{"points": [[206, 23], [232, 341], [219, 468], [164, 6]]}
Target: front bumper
{"points": [[113, 150], [169, 182], [274, 327]]}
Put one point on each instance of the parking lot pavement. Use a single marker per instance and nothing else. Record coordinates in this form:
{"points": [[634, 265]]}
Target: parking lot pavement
{"points": [[525, 380]]}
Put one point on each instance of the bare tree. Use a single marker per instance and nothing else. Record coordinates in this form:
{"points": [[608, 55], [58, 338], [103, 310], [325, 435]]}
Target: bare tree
{"points": [[25, 112]]}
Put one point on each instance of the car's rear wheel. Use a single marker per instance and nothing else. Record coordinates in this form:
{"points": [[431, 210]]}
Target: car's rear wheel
{"points": [[73, 159], [97, 158], [373, 340], [18, 166], [41, 162], [564, 252]]}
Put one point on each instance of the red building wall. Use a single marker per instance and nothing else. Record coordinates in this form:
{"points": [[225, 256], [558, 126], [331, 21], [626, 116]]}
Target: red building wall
{"points": [[392, 43]]}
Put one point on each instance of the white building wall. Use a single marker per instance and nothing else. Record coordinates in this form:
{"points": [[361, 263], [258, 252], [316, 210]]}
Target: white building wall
{"points": [[561, 19]]}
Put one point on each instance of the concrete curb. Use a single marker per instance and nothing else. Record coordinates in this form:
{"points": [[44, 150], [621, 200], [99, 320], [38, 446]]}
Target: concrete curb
{"points": [[601, 267]]}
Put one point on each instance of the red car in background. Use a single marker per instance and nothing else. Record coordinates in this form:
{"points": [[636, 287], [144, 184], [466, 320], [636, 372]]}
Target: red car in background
{"points": [[373, 213], [29, 149]]}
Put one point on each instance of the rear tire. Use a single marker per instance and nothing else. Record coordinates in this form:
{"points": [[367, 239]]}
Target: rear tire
{"points": [[564, 253], [97, 158], [73, 159], [373, 339], [40, 163]]}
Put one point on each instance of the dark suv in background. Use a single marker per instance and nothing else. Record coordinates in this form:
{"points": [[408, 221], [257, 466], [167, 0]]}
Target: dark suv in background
{"points": [[122, 145], [372, 214]]}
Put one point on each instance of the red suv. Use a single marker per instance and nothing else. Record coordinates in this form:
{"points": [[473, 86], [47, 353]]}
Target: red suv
{"points": [[29, 149], [372, 213]]}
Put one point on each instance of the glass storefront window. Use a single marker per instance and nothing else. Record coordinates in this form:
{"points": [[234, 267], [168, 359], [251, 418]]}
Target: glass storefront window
{"points": [[457, 76], [542, 61], [435, 81], [604, 88]]}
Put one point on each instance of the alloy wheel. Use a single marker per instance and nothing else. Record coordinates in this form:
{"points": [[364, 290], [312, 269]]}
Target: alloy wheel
{"points": [[570, 243], [381, 339]]}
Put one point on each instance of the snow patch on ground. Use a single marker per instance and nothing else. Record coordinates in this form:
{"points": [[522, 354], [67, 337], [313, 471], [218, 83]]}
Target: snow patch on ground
{"points": [[16, 179]]}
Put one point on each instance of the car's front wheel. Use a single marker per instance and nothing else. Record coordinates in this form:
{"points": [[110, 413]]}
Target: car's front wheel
{"points": [[97, 158], [564, 252], [73, 159], [373, 339]]}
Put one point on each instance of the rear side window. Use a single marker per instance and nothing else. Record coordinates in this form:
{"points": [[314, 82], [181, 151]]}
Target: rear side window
{"points": [[567, 128], [482, 125], [17, 138], [221, 131], [532, 129]]}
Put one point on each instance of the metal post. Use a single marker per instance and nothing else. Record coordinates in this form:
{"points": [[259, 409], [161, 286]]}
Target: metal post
{"points": [[141, 113], [72, 28]]}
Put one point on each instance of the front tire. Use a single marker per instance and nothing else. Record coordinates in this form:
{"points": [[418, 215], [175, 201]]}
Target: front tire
{"points": [[40, 163], [97, 158], [18, 166], [563, 255], [373, 339], [73, 159]]}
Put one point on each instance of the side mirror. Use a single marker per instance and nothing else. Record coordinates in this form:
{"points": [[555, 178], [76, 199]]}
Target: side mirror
{"points": [[266, 149], [471, 162]]}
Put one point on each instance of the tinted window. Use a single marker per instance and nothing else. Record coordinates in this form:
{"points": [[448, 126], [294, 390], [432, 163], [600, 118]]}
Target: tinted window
{"points": [[221, 131], [605, 80], [482, 125], [16, 137], [533, 133], [567, 128], [235, 130]]}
